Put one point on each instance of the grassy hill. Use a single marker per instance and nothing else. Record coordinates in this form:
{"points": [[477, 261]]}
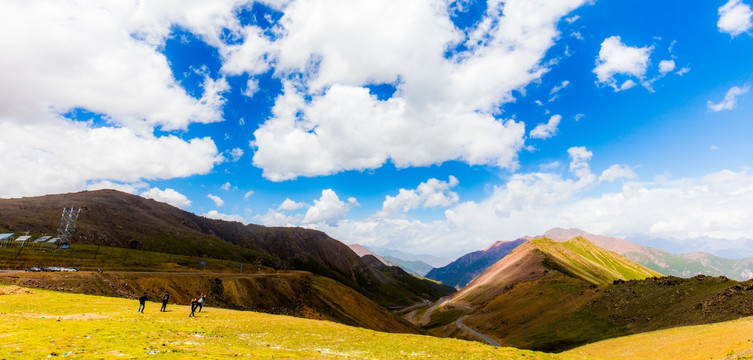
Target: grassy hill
{"points": [[467, 267], [39, 324], [292, 293], [724, 340], [116, 219], [684, 265], [542, 258]]}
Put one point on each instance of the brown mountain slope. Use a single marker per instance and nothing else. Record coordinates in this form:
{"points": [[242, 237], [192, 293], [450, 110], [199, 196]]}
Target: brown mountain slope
{"points": [[577, 258], [555, 296], [292, 293], [114, 218]]}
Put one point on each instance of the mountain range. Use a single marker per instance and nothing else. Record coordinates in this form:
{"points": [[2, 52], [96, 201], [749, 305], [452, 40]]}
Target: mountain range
{"points": [[552, 296], [114, 218], [682, 265]]}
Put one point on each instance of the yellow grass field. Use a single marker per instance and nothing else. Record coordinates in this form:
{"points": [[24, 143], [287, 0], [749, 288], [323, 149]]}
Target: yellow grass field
{"points": [[37, 324], [725, 340]]}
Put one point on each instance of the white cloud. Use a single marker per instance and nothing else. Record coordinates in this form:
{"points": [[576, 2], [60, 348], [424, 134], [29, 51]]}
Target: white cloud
{"points": [[329, 209], [252, 87], [236, 154], [227, 186], [547, 130], [730, 99], [616, 58], [103, 58], [716, 205], [326, 121], [683, 71], [553, 94], [734, 18], [615, 172], [217, 200], [290, 205], [214, 214], [666, 66], [713, 148], [432, 193], [65, 156], [248, 194], [130, 188], [169, 196]]}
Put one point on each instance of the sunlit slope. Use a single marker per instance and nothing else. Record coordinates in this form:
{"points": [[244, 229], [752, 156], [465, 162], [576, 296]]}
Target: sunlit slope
{"points": [[39, 324], [294, 293], [577, 258], [726, 340]]}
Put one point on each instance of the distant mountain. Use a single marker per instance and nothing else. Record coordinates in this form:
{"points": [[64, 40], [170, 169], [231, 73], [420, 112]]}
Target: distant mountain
{"points": [[684, 265], [415, 267], [114, 218], [461, 271], [432, 260]]}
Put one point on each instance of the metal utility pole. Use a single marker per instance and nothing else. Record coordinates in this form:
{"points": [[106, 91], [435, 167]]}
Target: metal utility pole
{"points": [[67, 226]]}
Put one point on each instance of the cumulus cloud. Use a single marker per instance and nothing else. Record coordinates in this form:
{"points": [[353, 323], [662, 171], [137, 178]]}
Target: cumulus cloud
{"points": [[214, 214], [734, 18], [169, 196], [730, 99], [616, 58], [329, 209], [716, 205], [431, 193], [248, 194], [326, 121], [290, 205], [64, 156], [666, 66], [236, 154], [130, 188], [217, 200], [615, 172], [546, 130], [103, 58]]}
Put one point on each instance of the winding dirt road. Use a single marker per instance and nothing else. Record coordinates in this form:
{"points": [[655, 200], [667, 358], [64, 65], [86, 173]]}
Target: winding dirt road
{"points": [[489, 340]]}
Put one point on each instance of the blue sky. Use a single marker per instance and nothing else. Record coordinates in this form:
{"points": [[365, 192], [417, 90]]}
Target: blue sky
{"points": [[430, 126]]}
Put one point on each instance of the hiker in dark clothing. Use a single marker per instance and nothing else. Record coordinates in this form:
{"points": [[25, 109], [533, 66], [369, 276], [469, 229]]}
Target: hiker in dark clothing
{"points": [[142, 303], [194, 304], [164, 302], [201, 302]]}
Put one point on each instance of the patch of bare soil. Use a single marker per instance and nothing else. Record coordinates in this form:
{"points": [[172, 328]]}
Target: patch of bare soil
{"points": [[13, 289]]}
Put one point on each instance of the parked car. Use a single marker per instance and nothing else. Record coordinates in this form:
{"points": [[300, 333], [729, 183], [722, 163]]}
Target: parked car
{"points": [[34, 269], [51, 268], [70, 269]]}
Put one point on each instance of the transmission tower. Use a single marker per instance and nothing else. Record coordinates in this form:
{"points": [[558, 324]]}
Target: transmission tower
{"points": [[67, 226]]}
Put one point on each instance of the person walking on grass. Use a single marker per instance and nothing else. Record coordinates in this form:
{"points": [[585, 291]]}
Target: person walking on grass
{"points": [[201, 302], [194, 304], [164, 302], [142, 303]]}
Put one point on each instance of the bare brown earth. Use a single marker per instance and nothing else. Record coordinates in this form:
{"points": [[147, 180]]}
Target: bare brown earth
{"points": [[293, 293]]}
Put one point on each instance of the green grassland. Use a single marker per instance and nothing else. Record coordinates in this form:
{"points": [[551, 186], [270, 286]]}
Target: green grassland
{"points": [[40, 324], [93, 257], [725, 340]]}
